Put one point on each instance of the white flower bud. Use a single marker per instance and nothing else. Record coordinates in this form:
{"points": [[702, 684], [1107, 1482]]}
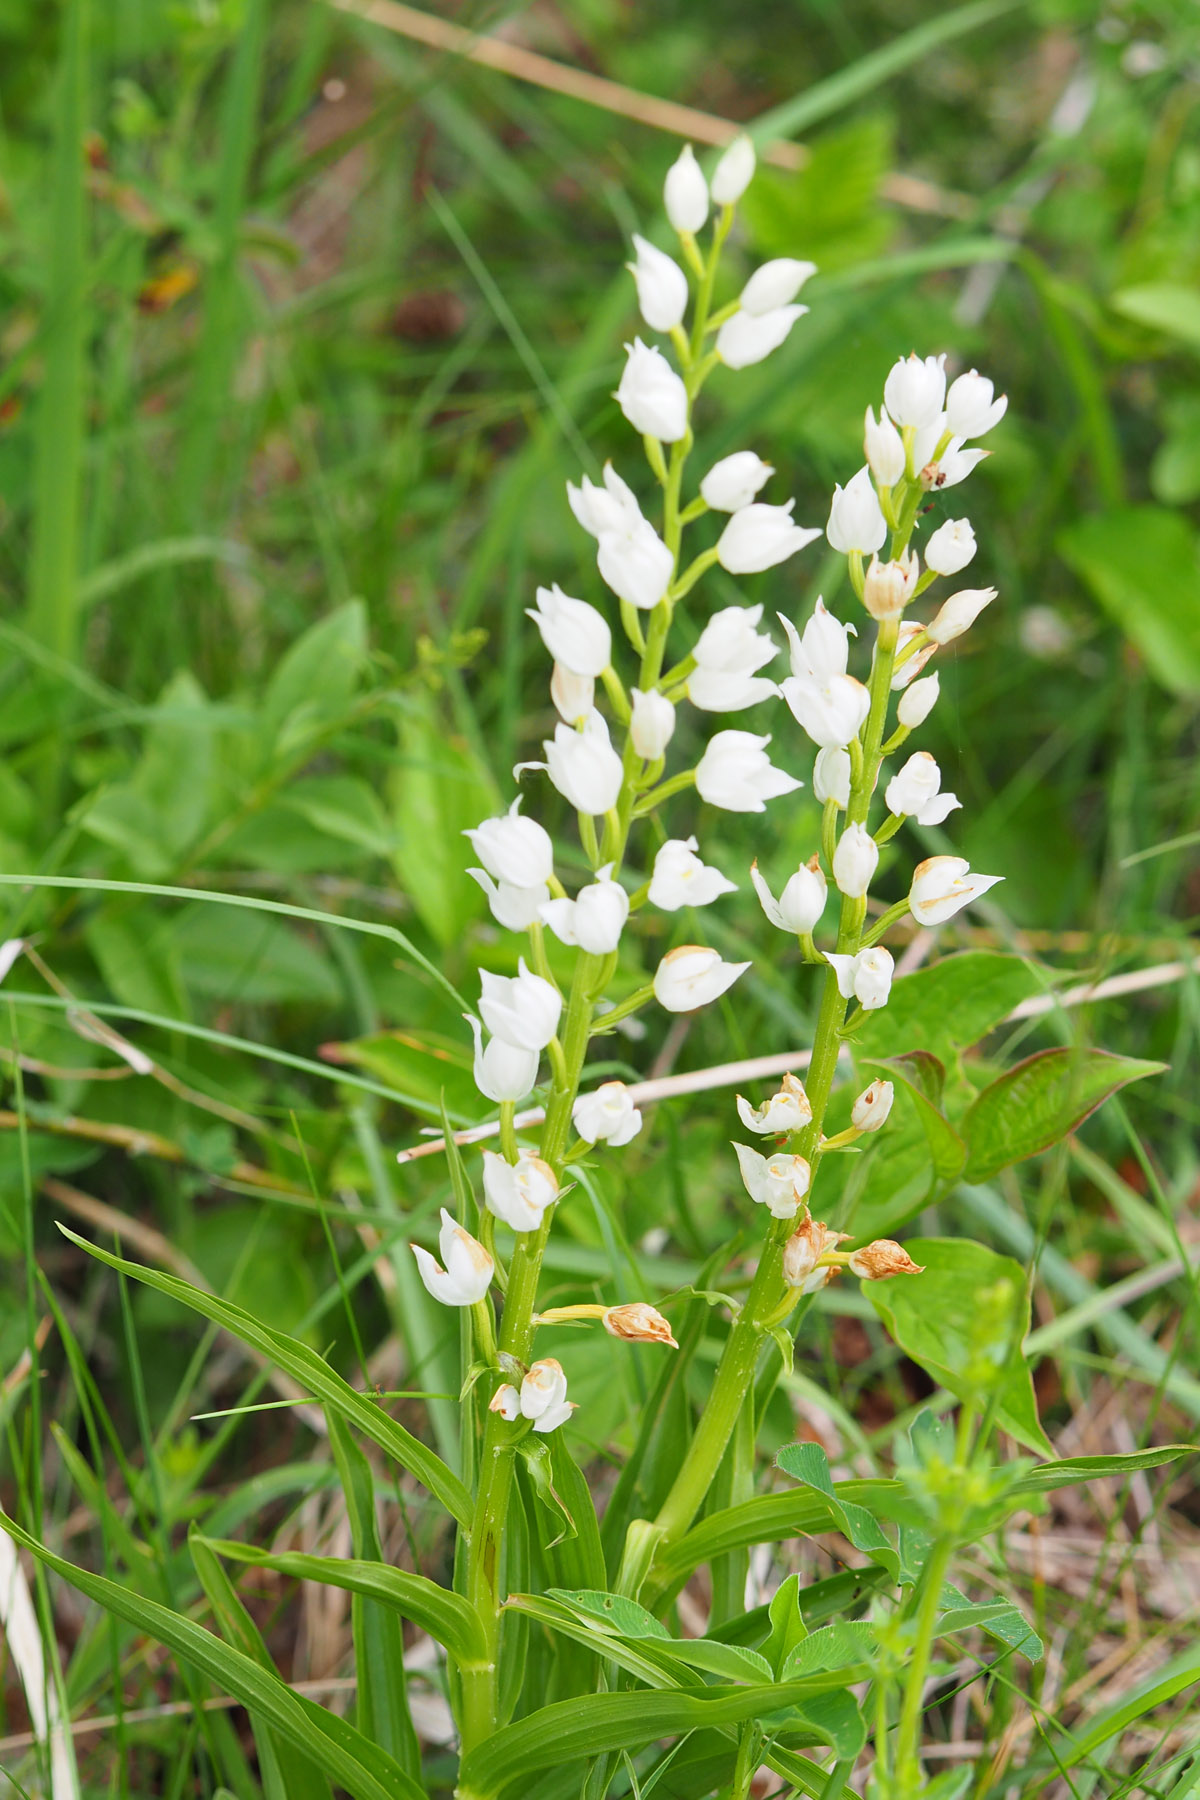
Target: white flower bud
{"points": [[612, 507], [583, 765], [681, 879], [573, 695], [727, 655], [522, 1009], [870, 1110], [516, 908], [544, 1395], [802, 901], [917, 702], [951, 467], [514, 849], [662, 288], [651, 395], [866, 977], [958, 614], [775, 284], [914, 390], [574, 633], [747, 338], [856, 520], [777, 1182], [692, 976], [787, 1110], [636, 564], [502, 1073], [888, 587], [759, 536], [607, 1116], [736, 774], [518, 1193], [855, 861], [831, 712], [652, 723], [734, 172], [951, 547], [942, 886], [908, 670], [733, 482], [970, 409], [883, 448], [685, 192], [595, 919], [831, 777], [915, 791], [467, 1275], [824, 649]]}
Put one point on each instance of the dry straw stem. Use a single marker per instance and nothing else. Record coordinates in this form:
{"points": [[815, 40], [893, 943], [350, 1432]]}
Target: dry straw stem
{"points": [[612, 96], [761, 1068]]}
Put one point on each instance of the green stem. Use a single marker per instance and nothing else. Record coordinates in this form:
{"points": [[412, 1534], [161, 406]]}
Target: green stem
{"points": [[908, 1775]]}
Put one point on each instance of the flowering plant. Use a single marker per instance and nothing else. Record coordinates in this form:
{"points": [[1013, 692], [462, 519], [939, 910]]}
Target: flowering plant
{"points": [[818, 1677]]}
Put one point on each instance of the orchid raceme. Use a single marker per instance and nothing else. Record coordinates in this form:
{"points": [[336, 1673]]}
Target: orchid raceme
{"points": [[639, 657]]}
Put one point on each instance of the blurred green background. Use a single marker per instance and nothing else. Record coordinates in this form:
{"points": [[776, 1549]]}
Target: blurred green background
{"points": [[304, 328]]}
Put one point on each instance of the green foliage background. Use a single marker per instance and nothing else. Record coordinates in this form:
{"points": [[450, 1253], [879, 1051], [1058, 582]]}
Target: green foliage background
{"points": [[297, 359]]}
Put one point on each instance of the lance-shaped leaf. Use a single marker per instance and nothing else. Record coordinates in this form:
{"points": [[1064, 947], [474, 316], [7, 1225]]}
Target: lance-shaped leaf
{"points": [[1041, 1100], [365, 1771], [444, 1615], [1047, 1477], [937, 1318], [309, 1369], [502, 1765]]}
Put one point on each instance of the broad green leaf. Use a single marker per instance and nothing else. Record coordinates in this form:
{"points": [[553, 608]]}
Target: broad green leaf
{"points": [[365, 1771], [437, 791], [832, 203], [1003, 1620], [924, 1077], [809, 1464], [936, 1318], [138, 958], [446, 1616], [1166, 306], [788, 1627], [316, 680], [732, 1661], [1048, 1477], [594, 1723], [1041, 1100], [422, 1067], [1140, 563], [342, 806], [616, 1613], [630, 1654], [947, 1006], [835, 1646], [311, 1370], [382, 1712], [253, 959]]}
